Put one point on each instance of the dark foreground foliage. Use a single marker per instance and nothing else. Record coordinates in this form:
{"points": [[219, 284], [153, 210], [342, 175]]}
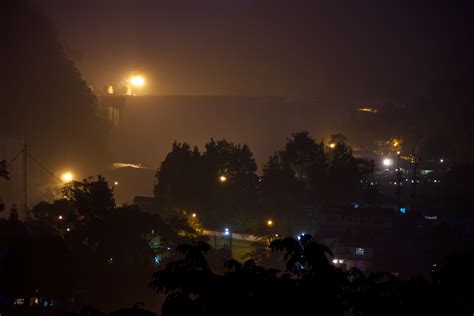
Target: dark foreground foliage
{"points": [[310, 284]]}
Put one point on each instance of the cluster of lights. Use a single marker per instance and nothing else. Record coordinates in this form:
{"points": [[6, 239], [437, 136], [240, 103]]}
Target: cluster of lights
{"points": [[336, 261], [226, 231]]}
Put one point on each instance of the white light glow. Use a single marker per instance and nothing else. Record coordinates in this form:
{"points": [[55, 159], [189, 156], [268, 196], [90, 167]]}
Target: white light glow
{"points": [[387, 162]]}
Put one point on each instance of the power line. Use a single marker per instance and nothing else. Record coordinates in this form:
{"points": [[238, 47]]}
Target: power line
{"points": [[45, 168], [14, 159]]}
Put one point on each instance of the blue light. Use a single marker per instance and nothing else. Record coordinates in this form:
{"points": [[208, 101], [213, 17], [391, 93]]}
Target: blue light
{"points": [[403, 210], [226, 231], [157, 259]]}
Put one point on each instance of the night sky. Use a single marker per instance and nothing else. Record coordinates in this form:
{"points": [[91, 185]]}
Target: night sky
{"points": [[341, 52]]}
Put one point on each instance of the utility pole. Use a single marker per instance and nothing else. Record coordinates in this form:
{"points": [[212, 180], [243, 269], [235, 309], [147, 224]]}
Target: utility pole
{"points": [[414, 161], [24, 182]]}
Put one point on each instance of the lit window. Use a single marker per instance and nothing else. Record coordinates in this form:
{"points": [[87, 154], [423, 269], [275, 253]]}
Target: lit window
{"points": [[360, 251]]}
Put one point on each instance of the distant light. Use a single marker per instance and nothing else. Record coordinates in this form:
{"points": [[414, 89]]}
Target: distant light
{"points": [[119, 165], [334, 261], [67, 177], [403, 210], [137, 81], [369, 110], [226, 231], [269, 222], [194, 215], [441, 160], [276, 235], [395, 144], [398, 152], [341, 261], [60, 217], [68, 229], [387, 162], [110, 89], [222, 178], [157, 259], [332, 145], [116, 183]]}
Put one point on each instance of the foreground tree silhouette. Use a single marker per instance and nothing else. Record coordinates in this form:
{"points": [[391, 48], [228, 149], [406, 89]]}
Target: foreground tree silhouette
{"points": [[192, 288], [310, 283]]}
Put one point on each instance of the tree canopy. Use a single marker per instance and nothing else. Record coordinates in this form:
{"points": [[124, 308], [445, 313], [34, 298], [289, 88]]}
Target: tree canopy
{"points": [[220, 182], [42, 90]]}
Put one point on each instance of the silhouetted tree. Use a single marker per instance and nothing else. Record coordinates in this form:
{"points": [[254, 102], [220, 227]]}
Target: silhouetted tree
{"points": [[179, 179], [91, 198], [282, 193], [190, 181], [43, 91], [309, 283], [347, 175]]}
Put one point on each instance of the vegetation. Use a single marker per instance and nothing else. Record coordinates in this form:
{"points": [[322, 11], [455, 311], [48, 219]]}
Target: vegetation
{"points": [[308, 283], [303, 173]]}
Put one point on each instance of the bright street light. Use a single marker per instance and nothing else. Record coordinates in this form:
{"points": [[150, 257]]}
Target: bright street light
{"points": [[67, 177], [60, 217], [138, 81], [194, 215], [222, 179], [387, 162], [269, 222], [116, 183], [332, 145]]}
